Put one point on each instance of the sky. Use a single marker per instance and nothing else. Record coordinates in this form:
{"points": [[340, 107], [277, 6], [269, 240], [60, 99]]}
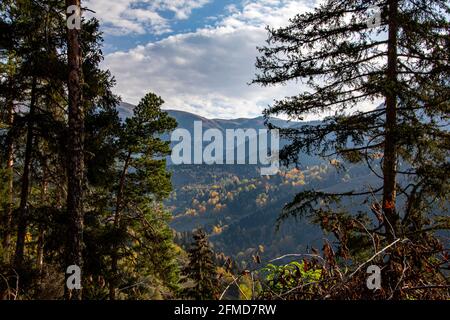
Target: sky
{"points": [[198, 55]]}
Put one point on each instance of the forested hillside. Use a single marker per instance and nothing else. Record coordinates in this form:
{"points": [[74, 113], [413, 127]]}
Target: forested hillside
{"points": [[95, 203]]}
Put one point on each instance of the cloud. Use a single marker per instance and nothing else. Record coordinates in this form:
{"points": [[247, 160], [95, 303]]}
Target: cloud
{"points": [[122, 17], [261, 13], [207, 71]]}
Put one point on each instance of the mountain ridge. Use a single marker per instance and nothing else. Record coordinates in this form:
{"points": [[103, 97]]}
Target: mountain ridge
{"points": [[126, 110]]}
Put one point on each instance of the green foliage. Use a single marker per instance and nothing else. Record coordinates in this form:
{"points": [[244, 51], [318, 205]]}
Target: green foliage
{"points": [[201, 270], [134, 251], [345, 62], [128, 245], [281, 279]]}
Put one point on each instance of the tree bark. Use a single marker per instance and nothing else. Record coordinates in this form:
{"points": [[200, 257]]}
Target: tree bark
{"points": [[25, 183], [114, 256], [75, 166], [393, 272], [41, 232], [390, 147], [10, 172]]}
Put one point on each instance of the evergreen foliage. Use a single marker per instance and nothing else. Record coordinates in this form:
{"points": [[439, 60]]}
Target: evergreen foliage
{"points": [[346, 62], [201, 269]]}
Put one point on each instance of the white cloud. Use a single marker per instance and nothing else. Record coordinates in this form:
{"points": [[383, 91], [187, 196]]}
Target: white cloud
{"points": [[122, 17], [207, 72], [268, 12]]}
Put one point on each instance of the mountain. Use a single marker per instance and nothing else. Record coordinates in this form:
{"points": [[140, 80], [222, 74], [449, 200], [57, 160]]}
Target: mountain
{"points": [[238, 207]]}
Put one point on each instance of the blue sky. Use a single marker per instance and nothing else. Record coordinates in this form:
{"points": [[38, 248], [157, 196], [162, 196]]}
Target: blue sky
{"points": [[198, 55], [204, 16]]}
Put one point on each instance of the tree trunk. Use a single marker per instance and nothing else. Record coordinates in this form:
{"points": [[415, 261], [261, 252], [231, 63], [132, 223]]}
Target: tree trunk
{"points": [[392, 274], [41, 232], [75, 166], [114, 256], [25, 183], [10, 173], [390, 148]]}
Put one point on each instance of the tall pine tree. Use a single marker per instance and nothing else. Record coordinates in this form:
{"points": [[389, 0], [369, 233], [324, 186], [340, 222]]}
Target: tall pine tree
{"points": [[347, 60], [75, 167], [142, 183]]}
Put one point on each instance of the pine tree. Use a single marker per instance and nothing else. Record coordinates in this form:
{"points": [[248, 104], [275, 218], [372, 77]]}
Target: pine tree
{"points": [[201, 269], [347, 59], [34, 51], [75, 167], [126, 239], [143, 182], [24, 86], [7, 116]]}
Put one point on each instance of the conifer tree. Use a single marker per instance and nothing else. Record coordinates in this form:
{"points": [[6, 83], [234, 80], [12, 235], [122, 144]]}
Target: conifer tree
{"points": [[9, 93], [142, 182], [201, 269], [34, 50], [75, 167], [350, 62], [24, 93], [127, 239]]}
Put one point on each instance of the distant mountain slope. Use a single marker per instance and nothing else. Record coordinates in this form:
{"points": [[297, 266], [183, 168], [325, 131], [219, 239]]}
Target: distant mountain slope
{"points": [[238, 207], [186, 121]]}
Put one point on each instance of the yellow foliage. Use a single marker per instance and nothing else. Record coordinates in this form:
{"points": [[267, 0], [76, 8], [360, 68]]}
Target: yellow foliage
{"points": [[214, 194], [190, 212], [28, 237], [217, 230]]}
